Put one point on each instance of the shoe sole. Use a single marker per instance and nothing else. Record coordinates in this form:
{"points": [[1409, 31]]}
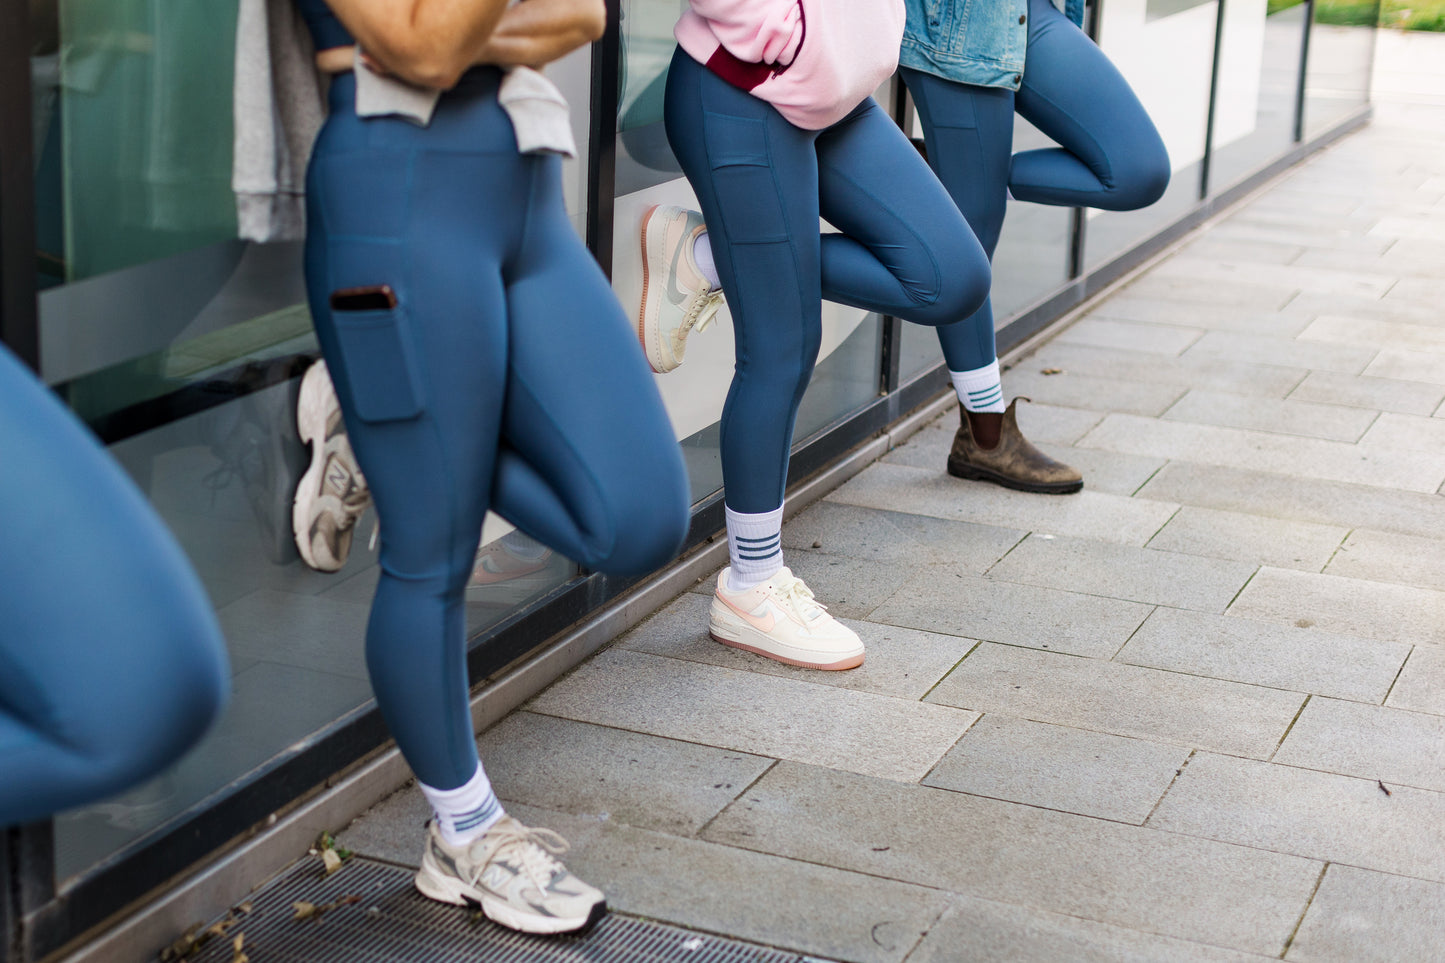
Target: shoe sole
{"points": [[974, 473], [503, 913], [647, 313], [310, 408], [734, 636]]}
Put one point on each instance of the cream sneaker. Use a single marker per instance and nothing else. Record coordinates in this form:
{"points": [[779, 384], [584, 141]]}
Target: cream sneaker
{"points": [[511, 873], [676, 298], [780, 619], [333, 493]]}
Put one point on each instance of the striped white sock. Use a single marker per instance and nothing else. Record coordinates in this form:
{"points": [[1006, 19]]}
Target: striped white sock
{"points": [[980, 389], [464, 813], [755, 547]]}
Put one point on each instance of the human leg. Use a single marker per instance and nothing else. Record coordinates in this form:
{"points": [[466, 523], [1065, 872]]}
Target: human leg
{"points": [[969, 132], [755, 176], [1110, 155], [111, 662]]}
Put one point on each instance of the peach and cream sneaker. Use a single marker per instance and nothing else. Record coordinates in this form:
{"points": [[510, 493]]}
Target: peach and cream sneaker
{"points": [[676, 298], [779, 619]]}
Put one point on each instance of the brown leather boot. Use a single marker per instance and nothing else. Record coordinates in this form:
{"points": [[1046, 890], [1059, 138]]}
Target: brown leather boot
{"points": [[1013, 463]]}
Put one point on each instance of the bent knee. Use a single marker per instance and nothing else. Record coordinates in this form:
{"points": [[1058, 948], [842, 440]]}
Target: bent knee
{"points": [[650, 526], [1140, 178], [962, 288]]}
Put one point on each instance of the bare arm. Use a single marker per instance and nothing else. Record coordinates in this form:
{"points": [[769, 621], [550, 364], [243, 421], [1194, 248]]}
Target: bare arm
{"points": [[540, 31], [426, 42]]}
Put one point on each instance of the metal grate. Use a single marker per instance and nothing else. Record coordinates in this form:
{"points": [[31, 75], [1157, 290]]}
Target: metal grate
{"points": [[393, 923]]}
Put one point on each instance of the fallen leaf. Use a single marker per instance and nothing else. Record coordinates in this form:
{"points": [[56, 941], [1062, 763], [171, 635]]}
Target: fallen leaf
{"points": [[1052, 371], [331, 860], [1382, 787]]}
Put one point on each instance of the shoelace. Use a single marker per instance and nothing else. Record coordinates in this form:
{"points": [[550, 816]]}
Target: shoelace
{"points": [[534, 850], [702, 312], [800, 598]]}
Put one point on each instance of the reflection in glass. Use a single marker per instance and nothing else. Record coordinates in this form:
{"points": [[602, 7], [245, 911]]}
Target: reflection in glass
{"points": [[1168, 60], [1342, 55], [1259, 59]]}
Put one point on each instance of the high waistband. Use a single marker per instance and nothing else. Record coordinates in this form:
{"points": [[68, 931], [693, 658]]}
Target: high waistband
{"points": [[468, 118]]}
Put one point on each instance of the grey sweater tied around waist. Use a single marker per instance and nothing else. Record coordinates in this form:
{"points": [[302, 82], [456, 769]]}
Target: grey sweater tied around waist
{"points": [[280, 104]]}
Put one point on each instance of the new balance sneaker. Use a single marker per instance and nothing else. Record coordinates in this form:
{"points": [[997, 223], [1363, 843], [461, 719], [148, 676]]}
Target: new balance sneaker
{"points": [[503, 577], [676, 298], [780, 619], [332, 493], [512, 874]]}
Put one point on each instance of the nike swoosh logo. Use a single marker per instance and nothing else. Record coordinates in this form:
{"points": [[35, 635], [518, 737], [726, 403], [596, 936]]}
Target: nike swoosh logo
{"points": [[757, 622], [673, 294]]}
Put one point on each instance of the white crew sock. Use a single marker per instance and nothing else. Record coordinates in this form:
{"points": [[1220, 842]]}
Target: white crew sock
{"points": [[464, 813], [702, 255], [980, 389], [755, 547]]}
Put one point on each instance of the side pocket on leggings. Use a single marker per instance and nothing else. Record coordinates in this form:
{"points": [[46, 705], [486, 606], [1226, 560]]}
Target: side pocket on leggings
{"points": [[380, 362], [742, 176]]}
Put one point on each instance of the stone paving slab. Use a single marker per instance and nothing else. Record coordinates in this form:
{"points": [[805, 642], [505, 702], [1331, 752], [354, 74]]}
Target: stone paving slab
{"points": [[1082, 391], [1250, 538], [1286, 352], [1090, 868], [1407, 364], [901, 662], [1187, 371], [788, 903], [1264, 451], [1406, 432], [1260, 653], [1233, 270], [1374, 334], [759, 714], [1071, 770], [1379, 394], [998, 611], [875, 535], [1289, 417], [851, 587], [1086, 514], [1337, 819], [1203, 314], [1125, 700], [1117, 571], [1373, 742], [1378, 610], [1282, 496], [1259, 297], [984, 931], [1108, 472], [1421, 684], [1359, 916], [1391, 557], [1130, 336]]}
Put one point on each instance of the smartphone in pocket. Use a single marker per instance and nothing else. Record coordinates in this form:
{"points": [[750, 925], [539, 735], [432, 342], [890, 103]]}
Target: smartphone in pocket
{"points": [[373, 297]]}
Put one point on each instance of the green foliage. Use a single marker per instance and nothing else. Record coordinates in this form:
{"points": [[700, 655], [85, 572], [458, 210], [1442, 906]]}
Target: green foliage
{"points": [[1402, 14]]}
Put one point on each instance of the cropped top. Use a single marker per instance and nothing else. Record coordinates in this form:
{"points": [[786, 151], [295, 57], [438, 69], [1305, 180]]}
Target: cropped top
{"points": [[326, 30]]}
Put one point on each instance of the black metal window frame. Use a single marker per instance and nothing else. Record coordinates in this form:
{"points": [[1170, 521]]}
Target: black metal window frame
{"points": [[36, 917]]}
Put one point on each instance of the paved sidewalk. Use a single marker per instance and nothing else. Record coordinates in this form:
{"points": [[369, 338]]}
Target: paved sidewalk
{"points": [[1196, 712]]}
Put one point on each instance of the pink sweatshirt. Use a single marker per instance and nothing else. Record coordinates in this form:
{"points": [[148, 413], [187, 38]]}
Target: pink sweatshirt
{"points": [[814, 60]]}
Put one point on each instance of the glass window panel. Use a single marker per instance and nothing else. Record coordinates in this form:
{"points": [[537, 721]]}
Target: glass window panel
{"points": [[1167, 54], [1030, 262], [1259, 60], [151, 310], [1342, 54]]}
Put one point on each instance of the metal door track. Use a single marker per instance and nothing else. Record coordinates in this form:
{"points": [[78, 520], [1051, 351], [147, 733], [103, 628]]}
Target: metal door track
{"points": [[375, 915]]}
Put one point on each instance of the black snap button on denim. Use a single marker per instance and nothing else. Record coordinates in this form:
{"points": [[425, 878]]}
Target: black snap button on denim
{"points": [[1022, 17]]}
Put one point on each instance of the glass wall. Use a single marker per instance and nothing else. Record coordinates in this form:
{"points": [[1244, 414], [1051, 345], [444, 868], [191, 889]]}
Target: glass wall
{"points": [[1165, 49], [1342, 54], [1261, 44], [183, 346]]}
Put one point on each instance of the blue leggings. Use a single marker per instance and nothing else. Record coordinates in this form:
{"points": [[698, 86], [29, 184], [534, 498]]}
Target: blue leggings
{"points": [[904, 249], [1110, 157], [507, 376], [111, 661]]}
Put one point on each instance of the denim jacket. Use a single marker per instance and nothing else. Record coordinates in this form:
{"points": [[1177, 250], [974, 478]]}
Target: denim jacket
{"points": [[979, 42]]}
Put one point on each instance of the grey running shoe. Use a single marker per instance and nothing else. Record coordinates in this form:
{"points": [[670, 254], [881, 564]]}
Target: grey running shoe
{"points": [[333, 493], [512, 874]]}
